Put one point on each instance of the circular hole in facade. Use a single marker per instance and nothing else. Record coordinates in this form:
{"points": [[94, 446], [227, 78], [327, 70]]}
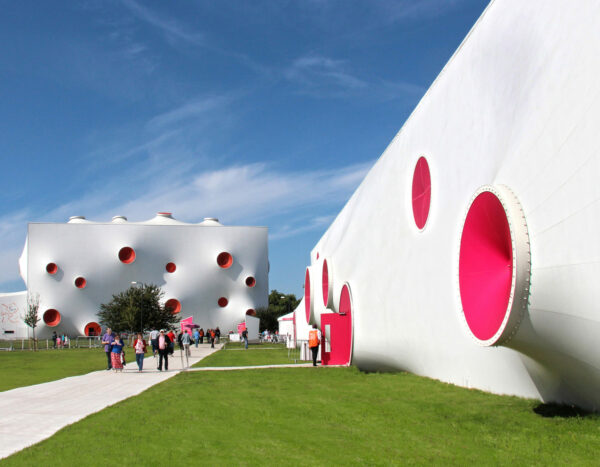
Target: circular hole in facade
{"points": [[325, 283], [80, 282], [127, 255], [174, 305], [251, 312], [222, 302], [92, 329], [250, 281], [486, 266], [171, 267], [307, 295], [224, 260], [51, 317], [51, 268], [421, 192]]}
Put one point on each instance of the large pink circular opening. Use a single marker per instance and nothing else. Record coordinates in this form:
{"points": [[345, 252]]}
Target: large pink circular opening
{"points": [[250, 281], [127, 255], [92, 329], [51, 268], [171, 267], [174, 305], [421, 192], [222, 302], [307, 295], [80, 282], [325, 283], [224, 260], [485, 266], [51, 317]]}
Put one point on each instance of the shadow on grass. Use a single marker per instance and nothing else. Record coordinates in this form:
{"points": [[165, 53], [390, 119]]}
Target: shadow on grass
{"points": [[551, 410]]}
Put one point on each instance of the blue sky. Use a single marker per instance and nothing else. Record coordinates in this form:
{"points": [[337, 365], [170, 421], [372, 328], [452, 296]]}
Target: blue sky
{"points": [[255, 112]]}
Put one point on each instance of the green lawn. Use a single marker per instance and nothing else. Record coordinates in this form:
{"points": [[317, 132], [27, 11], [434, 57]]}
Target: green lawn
{"points": [[318, 416], [27, 368], [257, 354]]}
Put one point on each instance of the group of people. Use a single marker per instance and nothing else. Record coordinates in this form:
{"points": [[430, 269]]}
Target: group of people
{"points": [[212, 335], [60, 341]]}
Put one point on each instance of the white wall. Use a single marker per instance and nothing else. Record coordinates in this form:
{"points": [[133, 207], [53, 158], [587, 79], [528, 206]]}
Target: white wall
{"points": [[518, 104], [13, 307]]}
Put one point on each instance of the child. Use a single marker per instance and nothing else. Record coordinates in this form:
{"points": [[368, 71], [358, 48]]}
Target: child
{"points": [[115, 356]]}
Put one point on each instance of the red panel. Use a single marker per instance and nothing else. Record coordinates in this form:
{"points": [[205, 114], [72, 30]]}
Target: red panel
{"points": [[92, 329], [80, 282], [340, 328], [325, 283], [174, 304], [421, 192], [51, 317], [251, 312], [222, 302], [307, 295], [250, 281], [51, 268], [485, 267], [127, 255], [171, 267], [225, 260]]}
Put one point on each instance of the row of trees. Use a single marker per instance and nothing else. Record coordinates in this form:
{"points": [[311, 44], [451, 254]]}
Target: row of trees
{"points": [[140, 309]]}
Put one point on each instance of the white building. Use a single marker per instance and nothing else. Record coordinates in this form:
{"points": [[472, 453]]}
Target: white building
{"points": [[216, 274], [471, 247]]}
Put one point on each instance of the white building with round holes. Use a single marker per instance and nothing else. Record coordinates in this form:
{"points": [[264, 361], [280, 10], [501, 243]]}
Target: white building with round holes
{"points": [[214, 273]]}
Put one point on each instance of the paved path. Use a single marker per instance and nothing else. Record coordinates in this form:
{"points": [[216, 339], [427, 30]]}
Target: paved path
{"points": [[31, 414]]}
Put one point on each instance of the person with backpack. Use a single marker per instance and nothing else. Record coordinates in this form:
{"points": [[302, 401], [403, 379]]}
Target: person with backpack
{"points": [[314, 339]]}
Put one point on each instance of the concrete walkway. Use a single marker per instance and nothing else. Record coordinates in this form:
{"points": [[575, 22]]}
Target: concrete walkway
{"points": [[31, 414]]}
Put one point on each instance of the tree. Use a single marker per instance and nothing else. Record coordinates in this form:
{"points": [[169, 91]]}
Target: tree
{"points": [[137, 309], [31, 317], [279, 305]]}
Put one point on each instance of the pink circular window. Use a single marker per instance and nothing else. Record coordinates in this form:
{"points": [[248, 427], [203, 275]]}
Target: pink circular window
{"points": [[51, 268], [222, 302], [80, 282], [51, 317], [251, 312], [485, 266], [421, 192], [224, 260], [250, 281], [307, 295], [127, 255], [171, 267], [325, 283], [174, 305], [92, 329]]}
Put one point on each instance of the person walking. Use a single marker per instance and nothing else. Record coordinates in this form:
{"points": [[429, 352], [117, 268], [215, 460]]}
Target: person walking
{"points": [[212, 338], [201, 334], [196, 337], [186, 340], [154, 341], [218, 334], [314, 339], [245, 337], [164, 345], [107, 340], [115, 354], [171, 336], [139, 344], [54, 336]]}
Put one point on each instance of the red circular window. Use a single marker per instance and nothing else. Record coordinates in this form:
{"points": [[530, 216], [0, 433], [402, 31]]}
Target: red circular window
{"points": [[421, 192], [174, 305], [325, 283], [51, 268], [80, 282], [225, 260], [250, 281], [307, 295], [223, 302], [92, 329], [127, 255], [171, 267], [51, 317], [485, 266], [251, 312]]}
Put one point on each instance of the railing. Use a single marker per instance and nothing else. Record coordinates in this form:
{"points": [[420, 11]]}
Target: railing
{"points": [[79, 342]]}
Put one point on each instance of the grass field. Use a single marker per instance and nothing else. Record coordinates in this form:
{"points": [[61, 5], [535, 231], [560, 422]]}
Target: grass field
{"points": [[257, 354], [27, 368], [318, 416]]}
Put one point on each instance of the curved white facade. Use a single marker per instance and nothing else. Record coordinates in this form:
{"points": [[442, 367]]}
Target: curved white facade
{"points": [[516, 110], [215, 273]]}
